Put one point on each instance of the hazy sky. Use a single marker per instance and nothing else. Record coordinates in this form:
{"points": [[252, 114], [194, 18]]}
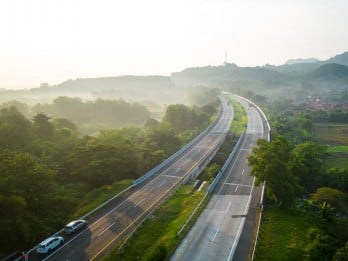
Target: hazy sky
{"points": [[54, 40]]}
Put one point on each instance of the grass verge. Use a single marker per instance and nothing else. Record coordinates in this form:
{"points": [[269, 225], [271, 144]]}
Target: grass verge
{"points": [[97, 196], [283, 236], [157, 238]]}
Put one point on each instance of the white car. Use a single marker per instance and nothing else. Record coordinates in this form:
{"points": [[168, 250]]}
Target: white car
{"points": [[49, 244], [74, 226]]}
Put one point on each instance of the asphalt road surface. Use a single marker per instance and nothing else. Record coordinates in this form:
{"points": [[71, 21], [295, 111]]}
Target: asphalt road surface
{"points": [[120, 219], [217, 231]]}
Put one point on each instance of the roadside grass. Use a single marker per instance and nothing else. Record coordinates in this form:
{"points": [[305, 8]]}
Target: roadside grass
{"points": [[240, 118], [157, 239], [283, 236], [99, 195]]}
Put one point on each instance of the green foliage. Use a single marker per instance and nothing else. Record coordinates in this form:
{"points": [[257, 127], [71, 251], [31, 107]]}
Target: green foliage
{"points": [[210, 172], [331, 134], [320, 246], [283, 235], [337, 149], [15, 129], [105, 113], [101, 164], [49, 173], [21, 107], [341, 254], [202, 95], [162, 138], [269, 162], [93, 198], [42, 127], [182, 118], [25, 186], [287, 171], [337, 178], [334, 197], [240, 119], [157, 238], [306, 163]]}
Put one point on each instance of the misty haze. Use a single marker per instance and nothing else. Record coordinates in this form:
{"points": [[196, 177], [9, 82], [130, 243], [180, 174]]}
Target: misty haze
{"points": [[186, 130]]}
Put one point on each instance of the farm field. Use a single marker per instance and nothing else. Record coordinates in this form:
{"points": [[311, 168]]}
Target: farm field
{"points": [[335, 137]]}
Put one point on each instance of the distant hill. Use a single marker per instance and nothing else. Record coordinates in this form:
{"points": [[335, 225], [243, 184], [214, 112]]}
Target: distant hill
{"points": [[118, 82], [303, 66], [339, 59], [330, 71], [133, 88], [157, 90], [293, 80], [300, 60], [222, 75]]}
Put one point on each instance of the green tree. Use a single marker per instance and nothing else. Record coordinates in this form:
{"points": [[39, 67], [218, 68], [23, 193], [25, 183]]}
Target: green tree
{"points": [[337, 178], [42, 127], [306, 163], [269, 162], [321, 246], [14, 129], [103, 164], [341, 254], [25, 186], [163, 138], [334, 197]]}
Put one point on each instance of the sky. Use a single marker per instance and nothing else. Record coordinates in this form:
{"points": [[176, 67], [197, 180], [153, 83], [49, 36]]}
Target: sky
{"points": [[55, 40]]}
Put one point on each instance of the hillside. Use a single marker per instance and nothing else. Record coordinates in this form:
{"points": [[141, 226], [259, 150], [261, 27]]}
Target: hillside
{"points": [[228, 74], [293, 80], [302, 66], [330, 71], [300, 60]]}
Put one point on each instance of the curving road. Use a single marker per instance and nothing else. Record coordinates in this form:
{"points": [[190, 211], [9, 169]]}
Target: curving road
{"points": [[216, 234], [120, 219]]}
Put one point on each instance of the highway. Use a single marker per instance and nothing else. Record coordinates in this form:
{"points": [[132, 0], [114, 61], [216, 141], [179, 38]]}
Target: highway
{"points": [[121, 218], [216, 233]]}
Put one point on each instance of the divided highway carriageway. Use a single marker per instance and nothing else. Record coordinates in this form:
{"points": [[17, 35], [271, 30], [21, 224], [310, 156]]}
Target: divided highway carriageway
{"points": [[225, 229], [112, 223]]}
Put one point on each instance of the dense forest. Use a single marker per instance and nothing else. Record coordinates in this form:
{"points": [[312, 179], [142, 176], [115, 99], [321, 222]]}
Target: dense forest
{"points": [[293, 165], [47, 166], [89, 116]]}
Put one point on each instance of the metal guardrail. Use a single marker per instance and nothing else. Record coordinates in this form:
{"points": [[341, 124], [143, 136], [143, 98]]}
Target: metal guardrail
{"points": [[176, 154], [263, 186], [227, 163], [148, 174]]}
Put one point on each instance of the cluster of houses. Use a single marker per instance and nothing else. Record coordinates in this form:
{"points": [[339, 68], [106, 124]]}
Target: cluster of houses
{"points": [[315, 104]]}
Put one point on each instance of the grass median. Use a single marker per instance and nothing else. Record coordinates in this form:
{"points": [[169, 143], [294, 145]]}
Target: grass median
{"points": [[156, 238], [240, 119]]}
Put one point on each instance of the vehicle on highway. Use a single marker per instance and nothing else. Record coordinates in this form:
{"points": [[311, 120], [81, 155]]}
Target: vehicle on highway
{"points": [[74, 226], [49, 244]]}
